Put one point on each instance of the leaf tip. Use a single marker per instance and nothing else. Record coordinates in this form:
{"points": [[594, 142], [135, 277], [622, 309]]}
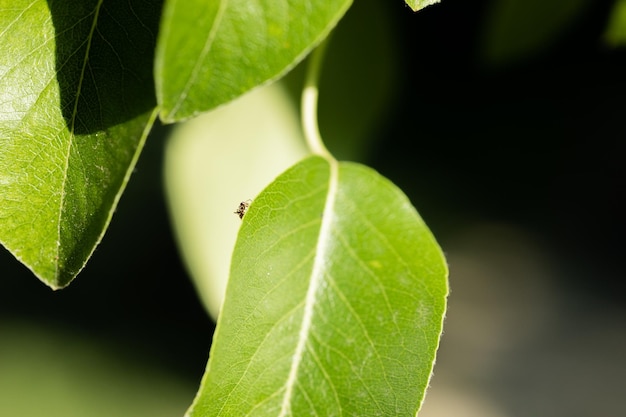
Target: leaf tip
{"points": [[416, 5], [58, 281]]}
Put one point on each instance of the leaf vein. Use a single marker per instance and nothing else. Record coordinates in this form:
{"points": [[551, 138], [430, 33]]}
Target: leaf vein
{"points": [[72, 122], [317, 276], [221, 11]]}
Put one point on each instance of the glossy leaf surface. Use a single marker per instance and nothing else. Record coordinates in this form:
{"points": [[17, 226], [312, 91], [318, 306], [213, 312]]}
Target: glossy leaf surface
{"points": [[210, 52], [334, 304], [76, 103]]}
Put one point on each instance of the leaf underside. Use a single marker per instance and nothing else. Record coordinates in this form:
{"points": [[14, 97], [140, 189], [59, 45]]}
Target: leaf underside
{"points": [[77, 102], [334, 304]]}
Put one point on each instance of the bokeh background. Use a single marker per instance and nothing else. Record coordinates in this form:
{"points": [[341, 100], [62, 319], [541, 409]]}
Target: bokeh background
{"points": [[503, 120]]}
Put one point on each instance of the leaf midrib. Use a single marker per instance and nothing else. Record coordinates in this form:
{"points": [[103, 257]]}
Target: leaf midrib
{"points": [[70, 141], [317, 276]]}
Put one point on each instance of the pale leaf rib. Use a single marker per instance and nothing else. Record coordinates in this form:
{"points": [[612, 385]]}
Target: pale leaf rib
{"points": [[317, 276], [285, 317], [85, 65], [17, 19], [72, 123]]}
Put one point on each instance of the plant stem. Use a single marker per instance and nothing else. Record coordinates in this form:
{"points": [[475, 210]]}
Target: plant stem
{"points": [[309, 103]]}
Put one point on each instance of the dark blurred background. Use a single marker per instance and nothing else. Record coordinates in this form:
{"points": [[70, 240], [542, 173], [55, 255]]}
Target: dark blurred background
{"points": [[504, 123]]}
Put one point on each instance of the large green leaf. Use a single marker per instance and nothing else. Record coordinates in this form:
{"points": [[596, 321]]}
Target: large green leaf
{"points": [[334, 304], [210, 52], [76, 103]]}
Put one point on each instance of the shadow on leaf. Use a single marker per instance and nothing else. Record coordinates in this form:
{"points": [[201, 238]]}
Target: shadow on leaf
{"points": [[104, 60]]}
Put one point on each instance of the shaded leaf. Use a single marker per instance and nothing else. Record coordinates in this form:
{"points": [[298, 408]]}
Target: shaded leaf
{"points": [[77, 102], [358, 83], [210, 52], [334, 304], [615, 34], [516, 29], [217, 160]]}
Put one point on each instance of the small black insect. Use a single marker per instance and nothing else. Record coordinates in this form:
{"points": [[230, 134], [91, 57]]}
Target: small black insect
{"points": [[241, 210]]}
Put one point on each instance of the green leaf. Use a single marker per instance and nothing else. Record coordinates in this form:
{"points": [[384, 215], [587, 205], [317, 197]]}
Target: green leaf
{"points": [[76, 104], [334, 304], [420, 4], [516, 29], [210, 52]]}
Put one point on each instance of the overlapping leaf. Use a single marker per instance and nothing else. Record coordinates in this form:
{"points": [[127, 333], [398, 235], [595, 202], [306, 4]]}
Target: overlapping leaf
{"points": [[334, 304], [210, 52], [76, 102]]}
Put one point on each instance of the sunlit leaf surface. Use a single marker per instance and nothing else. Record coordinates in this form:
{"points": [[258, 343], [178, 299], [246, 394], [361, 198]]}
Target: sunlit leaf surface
{"points": [[76, 101], [334, 304], [210, 52]]}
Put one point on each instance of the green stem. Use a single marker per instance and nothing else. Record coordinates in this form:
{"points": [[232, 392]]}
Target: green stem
{"points": [[309, 103]]}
